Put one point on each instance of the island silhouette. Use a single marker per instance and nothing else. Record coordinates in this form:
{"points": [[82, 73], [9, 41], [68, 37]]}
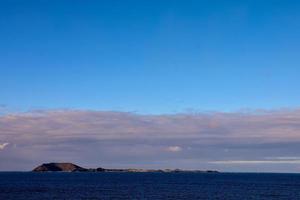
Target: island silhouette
{"points": [[70, 167]]}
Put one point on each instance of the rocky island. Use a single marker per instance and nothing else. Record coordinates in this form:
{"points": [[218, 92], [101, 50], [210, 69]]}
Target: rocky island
{"points": [[70, 167]]}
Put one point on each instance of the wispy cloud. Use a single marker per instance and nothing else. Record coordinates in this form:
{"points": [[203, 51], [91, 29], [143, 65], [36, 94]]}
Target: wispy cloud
{"points": [[256, 162], [2, 146], [174, 148], [284, 158], [117, 138]]}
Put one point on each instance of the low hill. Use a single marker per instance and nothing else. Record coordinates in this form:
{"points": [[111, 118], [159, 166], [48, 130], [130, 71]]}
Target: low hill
{"points": [[70, 167], [57, 167]]}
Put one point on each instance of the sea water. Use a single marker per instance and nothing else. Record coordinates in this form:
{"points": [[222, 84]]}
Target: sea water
{"points": [[231, 186]]}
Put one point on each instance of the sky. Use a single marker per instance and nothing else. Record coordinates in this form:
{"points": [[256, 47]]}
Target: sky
{"points": [[152, 84]]}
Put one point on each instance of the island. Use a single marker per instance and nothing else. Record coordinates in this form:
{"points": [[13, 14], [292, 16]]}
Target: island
{"points": [[70, 167]]}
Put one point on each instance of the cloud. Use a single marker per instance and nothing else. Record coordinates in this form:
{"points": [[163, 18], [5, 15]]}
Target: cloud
{"points": [[174, 148], [241, 162], [284, 158], [120, 138], [2, 146]]}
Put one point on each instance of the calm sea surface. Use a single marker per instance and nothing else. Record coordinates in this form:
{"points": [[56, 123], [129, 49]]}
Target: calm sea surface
{"points": [[236, 186]]}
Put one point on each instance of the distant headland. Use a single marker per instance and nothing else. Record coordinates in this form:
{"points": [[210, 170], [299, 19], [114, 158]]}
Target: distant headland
{"points": [[70, 167]]}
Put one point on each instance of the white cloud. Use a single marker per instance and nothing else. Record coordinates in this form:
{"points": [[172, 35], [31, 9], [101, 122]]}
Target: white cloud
{"points": [[115, 138], [2, 146], [255, 162], [283, 158], [174, 148]]}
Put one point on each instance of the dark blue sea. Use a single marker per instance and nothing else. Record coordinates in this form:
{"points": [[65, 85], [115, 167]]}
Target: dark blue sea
{"points": [[222, 186]]}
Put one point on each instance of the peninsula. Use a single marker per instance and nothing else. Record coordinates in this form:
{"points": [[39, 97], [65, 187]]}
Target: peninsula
{"points": [[70, 167]]}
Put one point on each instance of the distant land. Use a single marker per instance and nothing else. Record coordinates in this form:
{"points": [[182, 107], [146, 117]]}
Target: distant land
{"points": [[70, 167]]}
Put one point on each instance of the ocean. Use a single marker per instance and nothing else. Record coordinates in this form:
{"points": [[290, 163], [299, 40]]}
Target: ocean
{"points": [[154, 186]]}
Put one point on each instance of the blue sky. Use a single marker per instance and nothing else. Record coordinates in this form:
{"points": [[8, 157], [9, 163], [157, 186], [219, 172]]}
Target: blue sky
{"points": [[149, 56], [150, 84]]}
